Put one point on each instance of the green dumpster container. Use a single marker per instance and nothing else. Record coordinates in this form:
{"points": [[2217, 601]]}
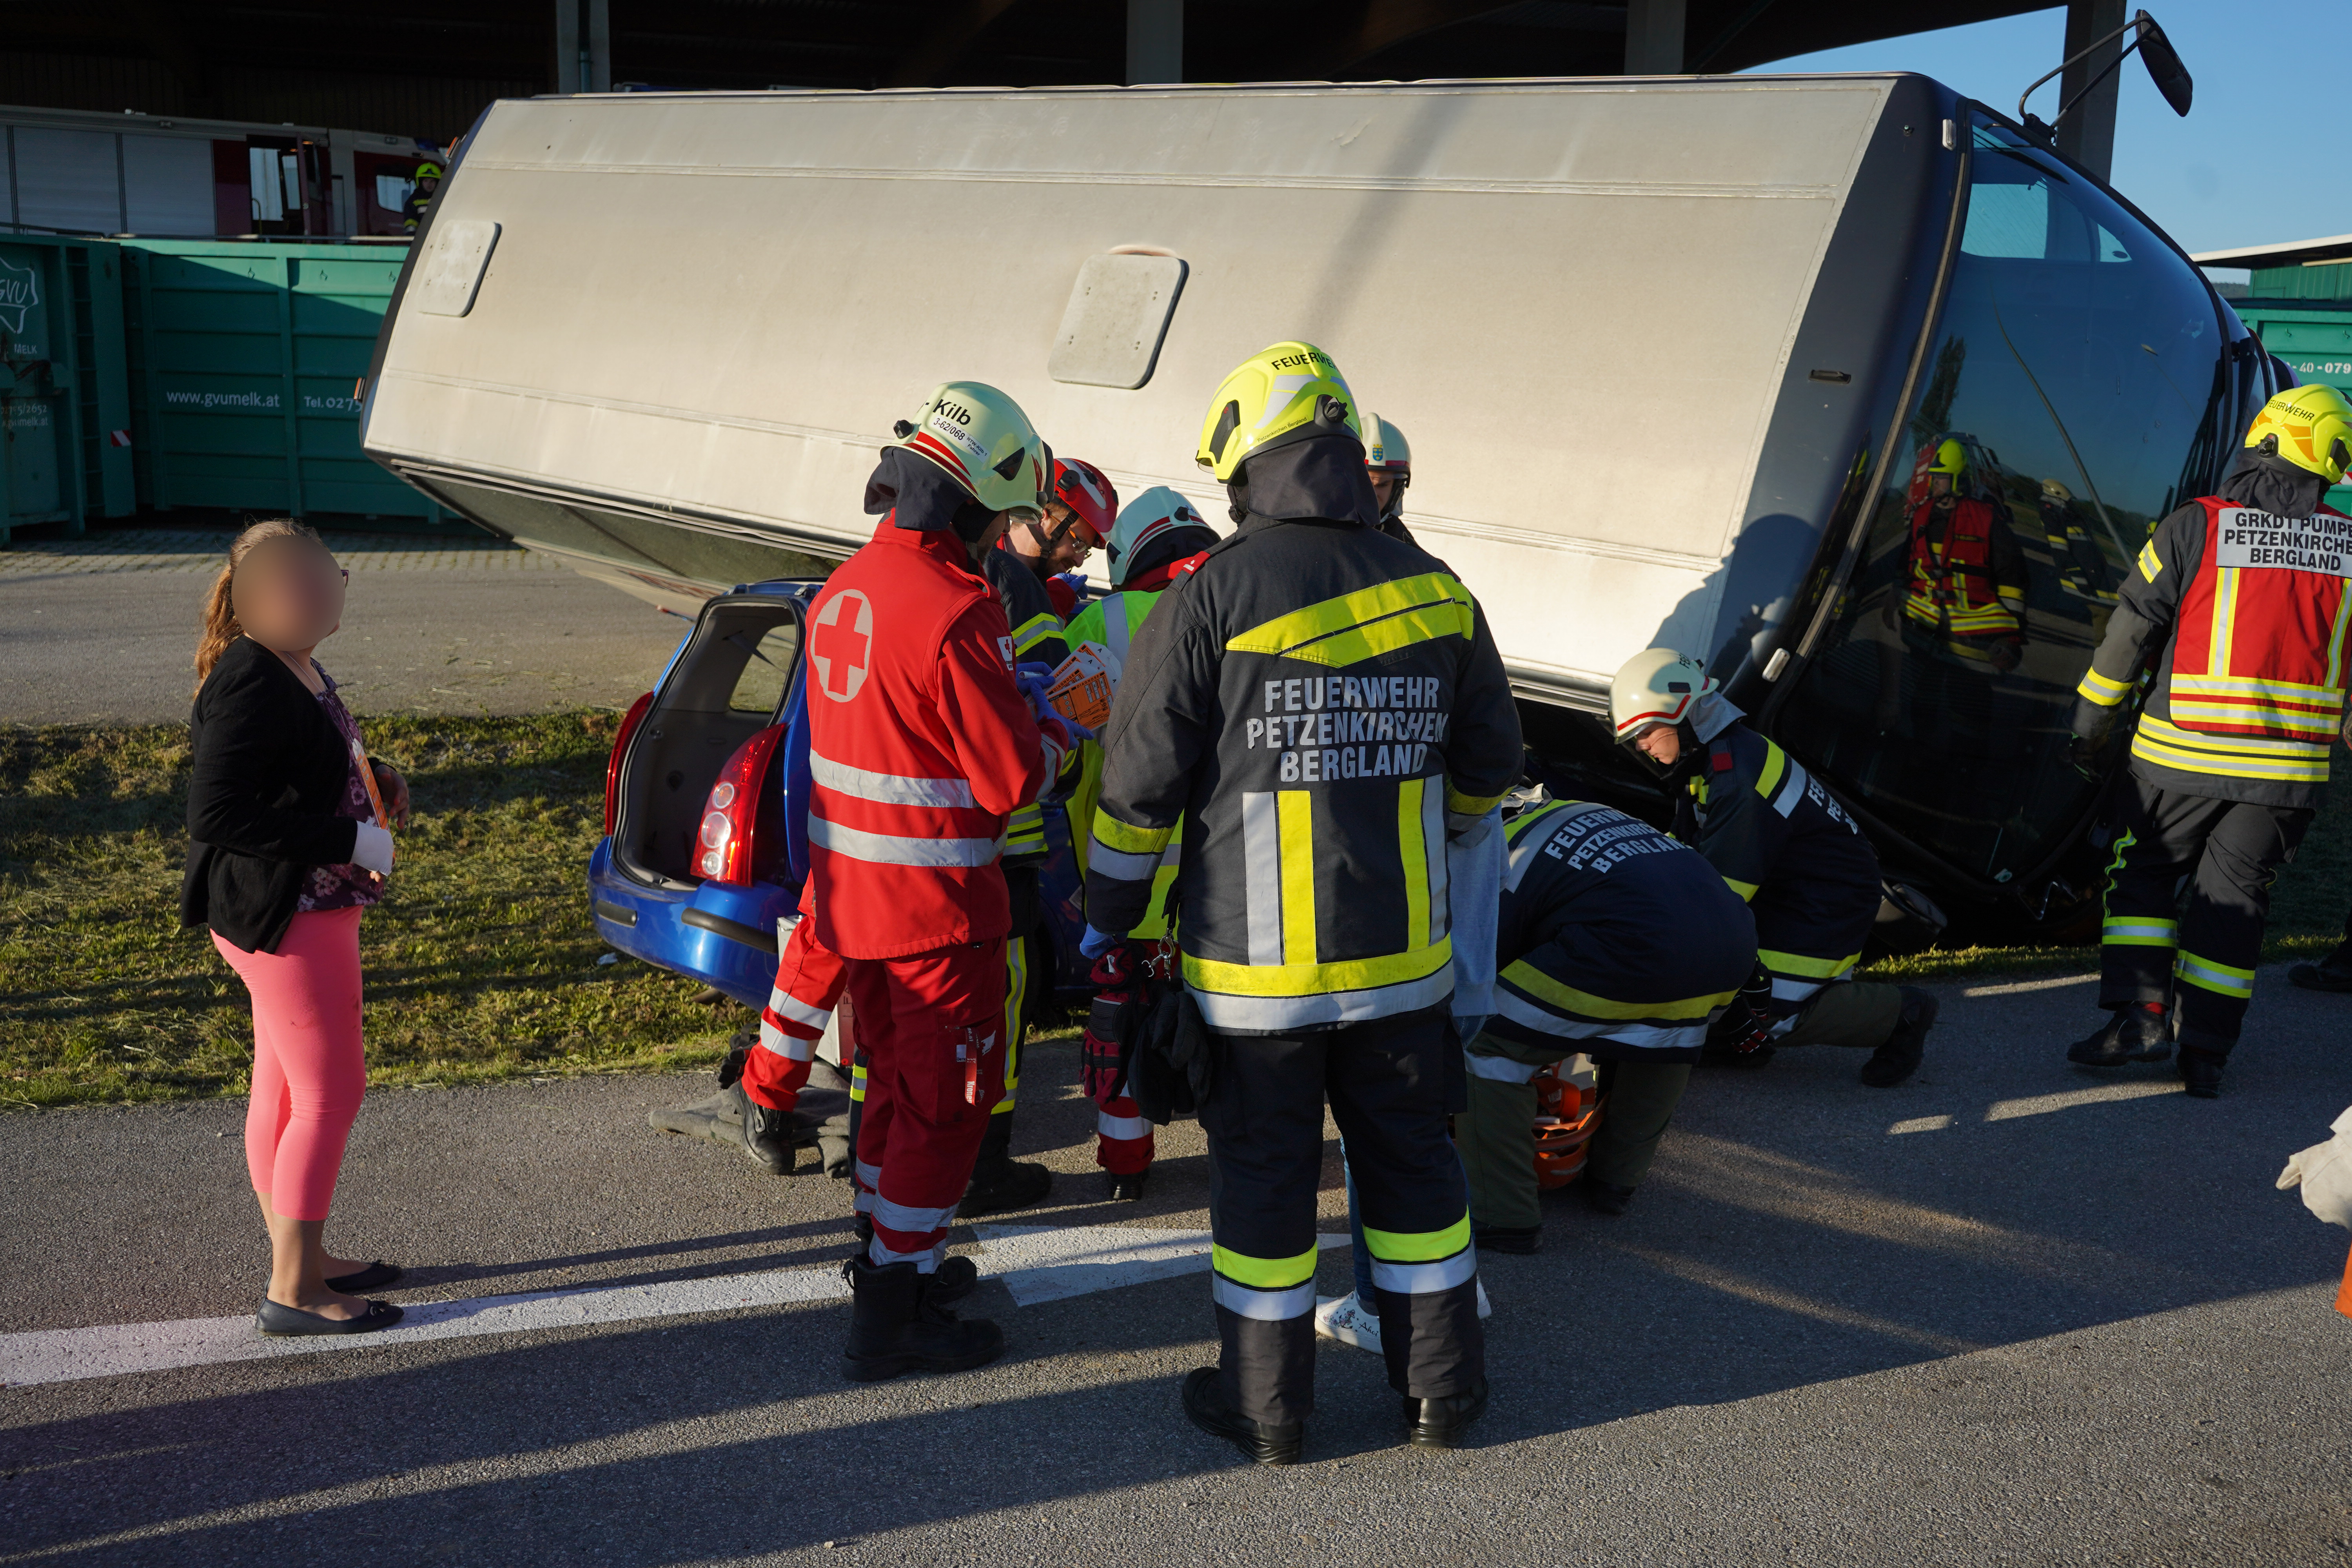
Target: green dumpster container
{"points": [[2314, 339], [65, 405], [243, 357]]}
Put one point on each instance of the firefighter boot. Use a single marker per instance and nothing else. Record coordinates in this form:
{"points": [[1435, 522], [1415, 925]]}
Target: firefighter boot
{"points": [[2333, 973], [897, 1324], [1440, 1422], [768, 1135], [1124, 1187], [2138, 1032], [2200, 1072], [1213, 1412], [999, 1182], [1897, 1056], [952, 1280]]}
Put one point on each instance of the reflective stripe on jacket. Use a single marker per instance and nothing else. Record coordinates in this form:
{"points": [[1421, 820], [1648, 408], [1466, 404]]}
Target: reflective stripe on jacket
{"points": [[920, 749], [1615, 940], [1037, 638], [2254, 624], [1110, 622], [1311, 704]]}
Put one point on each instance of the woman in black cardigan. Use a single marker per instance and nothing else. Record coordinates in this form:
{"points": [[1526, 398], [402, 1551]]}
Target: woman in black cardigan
{"points": [[284, 853]]}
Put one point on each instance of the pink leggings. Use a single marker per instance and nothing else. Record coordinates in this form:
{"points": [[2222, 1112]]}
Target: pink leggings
{"points": [[307, 1074]]}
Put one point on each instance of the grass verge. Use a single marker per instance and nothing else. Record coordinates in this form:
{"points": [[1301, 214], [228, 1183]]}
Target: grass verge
{"points": [[480, 963]]}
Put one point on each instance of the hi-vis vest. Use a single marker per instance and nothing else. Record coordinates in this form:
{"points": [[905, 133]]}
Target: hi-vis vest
{"points": [[2261, 641], [1111, 621], [1952, 584]]}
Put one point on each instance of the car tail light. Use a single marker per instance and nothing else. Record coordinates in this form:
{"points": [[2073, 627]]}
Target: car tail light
{"points": [[629, 722], [724, 845]]}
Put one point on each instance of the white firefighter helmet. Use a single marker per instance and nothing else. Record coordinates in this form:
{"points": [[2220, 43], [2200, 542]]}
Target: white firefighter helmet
{"points": [[1153, 515], [986, 445], [1657, 686]]}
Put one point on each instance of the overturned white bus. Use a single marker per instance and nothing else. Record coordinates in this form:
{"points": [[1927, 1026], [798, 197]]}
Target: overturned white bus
{"points": [[1667, 352]]}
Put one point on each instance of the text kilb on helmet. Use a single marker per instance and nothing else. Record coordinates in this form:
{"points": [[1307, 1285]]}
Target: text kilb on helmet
{"points": [[1289, 391], [2312, 427], [1657, 686], [985, 442]]}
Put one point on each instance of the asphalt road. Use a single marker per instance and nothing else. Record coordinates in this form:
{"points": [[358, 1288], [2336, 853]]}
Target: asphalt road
{"points": [[2067, 1320], [101, 630]]}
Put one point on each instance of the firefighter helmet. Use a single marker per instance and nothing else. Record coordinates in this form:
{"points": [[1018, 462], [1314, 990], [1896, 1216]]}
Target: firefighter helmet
{"points": [[1386, 452], [427, 170], [2313, 426], [1951, 457], [1568, 1112], [1156, 514], [1286, 392], [1657, 686], [1092, 499], [986, 445]]}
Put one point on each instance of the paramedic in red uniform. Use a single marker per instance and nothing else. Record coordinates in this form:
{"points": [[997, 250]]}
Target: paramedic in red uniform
{"points": [[920, 747]]}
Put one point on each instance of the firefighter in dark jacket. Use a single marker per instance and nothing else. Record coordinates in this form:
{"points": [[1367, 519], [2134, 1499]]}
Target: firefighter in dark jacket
{"points": [[1614, 941], [1319, 705], [2239, 608], [1787, 846], [1075, 517]]}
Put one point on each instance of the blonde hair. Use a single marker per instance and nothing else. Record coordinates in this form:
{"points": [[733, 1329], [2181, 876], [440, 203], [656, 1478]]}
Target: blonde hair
{"points": [[220, 627]]}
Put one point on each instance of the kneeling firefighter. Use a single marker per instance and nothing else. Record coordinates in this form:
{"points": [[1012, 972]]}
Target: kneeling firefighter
{"points": [[2241, 607], [1317, 703], [920, 748], [1157, 538], [1783, 843], [1616, 941]]}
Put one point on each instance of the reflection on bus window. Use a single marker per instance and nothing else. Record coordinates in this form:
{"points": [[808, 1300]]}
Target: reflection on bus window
{"points": [[2071, 399]]}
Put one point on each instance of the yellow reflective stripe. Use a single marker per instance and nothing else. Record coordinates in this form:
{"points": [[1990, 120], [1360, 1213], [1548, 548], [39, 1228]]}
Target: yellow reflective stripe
{"points": [[1418, 1246], [1469, 805], [2230, 756], [2139, 931], [2149, 566], [1776, 764], [2096, 688], [1568, 999], [1264, 1273], [1413, 847], [2337, 638], [1318, 979], [2223, 979], [2320, 727], [1034, 630], [2259, 686], [1747, 890], [1812, 968], [1517, 829], [1295, 810], [1113, 834], [1366, 623]]}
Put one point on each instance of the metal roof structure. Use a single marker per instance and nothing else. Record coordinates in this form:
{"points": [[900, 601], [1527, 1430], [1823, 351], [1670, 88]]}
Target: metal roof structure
{"points": [[2288, 253]]}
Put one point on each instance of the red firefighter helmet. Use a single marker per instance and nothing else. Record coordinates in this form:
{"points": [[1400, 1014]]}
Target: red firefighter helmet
{"points": [[1088, 493]]}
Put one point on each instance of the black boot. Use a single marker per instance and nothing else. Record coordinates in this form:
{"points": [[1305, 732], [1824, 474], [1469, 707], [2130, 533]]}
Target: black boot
{"points": [[897, 1324], [2138, 1032], [1440, 1422], [2333, 973], [999, 1182], [1205, 1403], [2200, 1072], [1124, 1189], [1603, 1197], [955, 1277], [1522, 1240], [768, 1135], [1897, 1056], [1724, 1056]]}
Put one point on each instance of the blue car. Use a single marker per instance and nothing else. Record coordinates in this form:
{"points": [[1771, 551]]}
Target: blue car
{"points": [[706, 818]]}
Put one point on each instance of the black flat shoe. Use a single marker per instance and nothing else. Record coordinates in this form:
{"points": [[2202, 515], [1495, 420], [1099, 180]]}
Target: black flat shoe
{"points": [[377, 1276], [1205, 1402], [1440, 1422], [283, 1322], [1520, 1240], [2135, 1032], [1602, 1198]]}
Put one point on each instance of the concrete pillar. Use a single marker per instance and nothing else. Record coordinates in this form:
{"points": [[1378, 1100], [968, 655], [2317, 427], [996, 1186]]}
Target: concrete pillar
{"points": [[2087, 134], [1155, 41], [1653, 37], [583, 46]]}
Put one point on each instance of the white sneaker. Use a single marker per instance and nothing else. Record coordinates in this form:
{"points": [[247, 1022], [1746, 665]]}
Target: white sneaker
{"points": [[1345, 1319]]}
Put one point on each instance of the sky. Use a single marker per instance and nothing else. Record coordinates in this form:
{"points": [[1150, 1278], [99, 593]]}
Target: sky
{"points": [[2240, 170]]}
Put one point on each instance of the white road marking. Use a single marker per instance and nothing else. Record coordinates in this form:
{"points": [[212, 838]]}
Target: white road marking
{"points": [[1921, 1124], [1036, 1263], [2019, 987]]}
